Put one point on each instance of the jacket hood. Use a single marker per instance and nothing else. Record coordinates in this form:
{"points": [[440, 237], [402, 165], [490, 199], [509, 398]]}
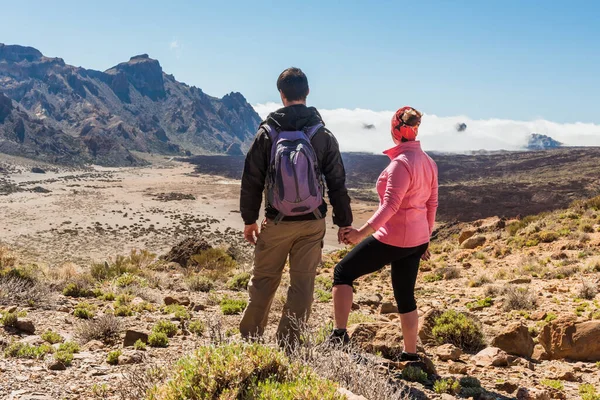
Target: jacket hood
{"points": [[294, 118]]}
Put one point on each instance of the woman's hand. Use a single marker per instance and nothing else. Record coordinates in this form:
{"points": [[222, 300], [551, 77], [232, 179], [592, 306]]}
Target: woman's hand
{"points": [[354, 236]]}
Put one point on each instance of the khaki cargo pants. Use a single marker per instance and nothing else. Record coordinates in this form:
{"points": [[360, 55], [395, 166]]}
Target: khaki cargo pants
{"points": [[302, 241]]}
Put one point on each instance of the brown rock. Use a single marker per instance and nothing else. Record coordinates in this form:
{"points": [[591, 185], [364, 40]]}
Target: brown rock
{"points": [[561, 372], [426, 325], [349, 395], [566, 338], [491, 357], [56, 366], [539, 353], [378, 337], [182, 300], [131, 357], [507, 387], [93, 345], [465, 234], [186, 249], [132, 336], [520, 281], [448, 352], [388, 308], [458, 368], [538, 315], [532, 394], [25, 325], [369, 300], [515, 339], [473, 242]]}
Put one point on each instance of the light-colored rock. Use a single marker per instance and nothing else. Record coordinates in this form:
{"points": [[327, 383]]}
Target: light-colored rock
{"points": [[448, 351], [349, 395], [131, 357], [491, 357], [93, 345], [562, 372], [532, 394], [378, 337], [515, 339], [466, 234], [459, 368], [473, 242], [369, 299], [388, 308], [566, 338]]}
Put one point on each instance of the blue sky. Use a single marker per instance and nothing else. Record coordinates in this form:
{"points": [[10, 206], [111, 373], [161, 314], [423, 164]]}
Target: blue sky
{"points": [[483, 59]]}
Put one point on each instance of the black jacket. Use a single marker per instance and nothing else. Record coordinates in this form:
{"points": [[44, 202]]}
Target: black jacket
{"points": [[294, 118]]}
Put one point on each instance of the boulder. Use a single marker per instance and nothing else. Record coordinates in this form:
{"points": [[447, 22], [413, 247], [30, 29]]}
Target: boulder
{"points": [[369, 299], [180, 300], [55, 365], [93, 345], [459, 368], [131, 357], [132, 336], [466, 234], [186, 249], [375, 337], [491, 357], [448, 352], [25, 325], [426, 325], [515, 339], [506, 386], [473, 242], [388, 308], [532, 394], [566, 338]]}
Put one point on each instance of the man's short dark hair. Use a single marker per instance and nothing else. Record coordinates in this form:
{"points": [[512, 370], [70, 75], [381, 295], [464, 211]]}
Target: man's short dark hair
{"points": [[293, 84]]}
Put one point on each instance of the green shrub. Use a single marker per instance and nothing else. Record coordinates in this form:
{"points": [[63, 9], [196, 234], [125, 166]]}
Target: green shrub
{"points": [[123, 300], [73, 289], [519, 298], [479, 281], [324, 282], [129, 279], [123, 311], [449, 386], [215, 264], [433, 277], [232, 306], [64, 357], [548, 236], [52, 337], [414, 374], [356, 317], [9, 319], [197, 327], [322, 296], [69, 347], [553, 383], [139, 345], [24, 350], [113, 357], [180, 312], [108, 296], [143, 306], [481, 303], [131, 264], [242, 371], [84, 310], [239, 281], [588, 392], [166, 327], [158, 339], [550, 317], [458, 329], [199, 283]]}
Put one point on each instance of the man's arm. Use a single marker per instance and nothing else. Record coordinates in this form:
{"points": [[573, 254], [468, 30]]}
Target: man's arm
{"points": [[254, 176], [335, 178]]}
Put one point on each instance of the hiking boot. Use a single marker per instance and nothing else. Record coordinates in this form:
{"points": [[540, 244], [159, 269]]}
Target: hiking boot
{"points": [[339, 337], [409, 357]]}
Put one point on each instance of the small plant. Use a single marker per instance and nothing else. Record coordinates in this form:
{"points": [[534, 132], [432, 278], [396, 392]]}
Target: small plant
{"points": [[550, 317], [52, 337], [158, 339], [64, 357], [179, 311], [324, 282], [481, 303], [197, 327], [449, 386], [113, 357], [24, 350], [433, 277], [232, 306], [356, 317], [139, 345], [108, 296], [166, 327], [414, 374], [69, 347], [553, 383], [128, 279], [123, 311], [458, 329], [73, 289], [517, 298], [143, 306], [199, 283], [105, 328], [215, 264], [9, 319], [84, 310], [123, 300], [322, 296], [588, 392], [479, 281], [548, 236], [587, 290], [239, 281]]}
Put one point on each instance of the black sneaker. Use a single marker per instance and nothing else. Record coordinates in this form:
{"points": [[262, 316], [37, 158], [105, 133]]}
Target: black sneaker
{"points": [[409, 357], [339, 337]]}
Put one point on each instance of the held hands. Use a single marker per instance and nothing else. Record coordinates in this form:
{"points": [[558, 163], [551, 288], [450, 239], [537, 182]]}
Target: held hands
{"points": [[354, 236], [342, 233]]}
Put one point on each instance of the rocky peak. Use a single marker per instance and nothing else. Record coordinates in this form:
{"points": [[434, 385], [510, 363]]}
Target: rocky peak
{"points": [[5, 107], [144, 73], [234, 100], [15, 53], [542, 142]]}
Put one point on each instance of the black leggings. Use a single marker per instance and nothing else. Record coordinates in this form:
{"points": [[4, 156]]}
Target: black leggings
{"points": [[371, 255]]}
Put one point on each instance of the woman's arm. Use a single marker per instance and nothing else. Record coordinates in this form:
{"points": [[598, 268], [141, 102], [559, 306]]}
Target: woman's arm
{"points": [[432, 203]]}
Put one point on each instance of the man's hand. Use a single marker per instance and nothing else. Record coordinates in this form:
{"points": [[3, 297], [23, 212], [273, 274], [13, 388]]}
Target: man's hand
{"points": [[342, 232], [354, 236], [251, 233]]}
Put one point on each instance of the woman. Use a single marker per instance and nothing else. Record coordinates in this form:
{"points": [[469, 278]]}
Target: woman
{"points": [[398, 233]]}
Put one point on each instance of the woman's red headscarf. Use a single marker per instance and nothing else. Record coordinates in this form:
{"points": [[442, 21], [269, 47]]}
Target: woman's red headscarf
{"points": [[405, 123]]}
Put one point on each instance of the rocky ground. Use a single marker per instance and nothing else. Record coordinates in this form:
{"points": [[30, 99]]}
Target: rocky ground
{"points": [[522, 294]]}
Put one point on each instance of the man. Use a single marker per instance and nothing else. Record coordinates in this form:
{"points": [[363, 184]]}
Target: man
{"points": [[281, 235]]}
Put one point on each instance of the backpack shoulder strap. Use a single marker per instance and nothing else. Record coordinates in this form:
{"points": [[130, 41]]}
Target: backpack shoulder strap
{"points": [[311, 131]]}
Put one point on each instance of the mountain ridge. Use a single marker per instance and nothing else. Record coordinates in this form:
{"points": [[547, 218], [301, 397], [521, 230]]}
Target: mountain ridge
{"points": [[133, 106]]}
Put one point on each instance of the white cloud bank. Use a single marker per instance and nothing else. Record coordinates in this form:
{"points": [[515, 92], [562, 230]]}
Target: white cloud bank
{"points": [[440, 134]]}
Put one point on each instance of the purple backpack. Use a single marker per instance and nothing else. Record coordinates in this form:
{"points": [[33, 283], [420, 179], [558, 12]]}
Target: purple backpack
{"points": [[294, 183]]}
